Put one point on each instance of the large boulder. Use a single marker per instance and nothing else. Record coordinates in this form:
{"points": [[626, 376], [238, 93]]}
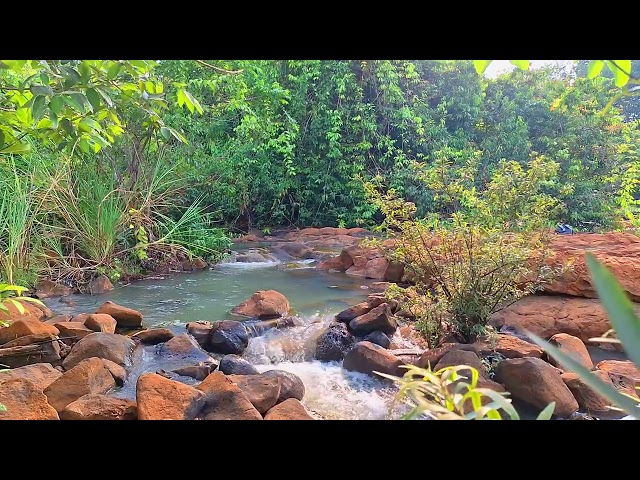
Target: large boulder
{"points": [[200, 330], [620, 252], [573, 347], [234, 365], [379, 318], [264, 304], [110, 346], [334, 343], [379, 338], [620, 368], [198, 372], [24, 327], [367, 357], [30, 311], [509, 346], [546, 315], [24, 400], [48, 288], [183, 345], [225, 400], [154, 336], [588, 399], [359, 309], [262, 391], [40, 374], [73, 330], [432, 356], [100, 407], [101, 322], [290, 385], [30, 349], [126, 317], [88, 376], [228, 336], [290, 409], [457, 357], [118, 372], [100, 284], [160, 398], [296, 249], [534, 381]]}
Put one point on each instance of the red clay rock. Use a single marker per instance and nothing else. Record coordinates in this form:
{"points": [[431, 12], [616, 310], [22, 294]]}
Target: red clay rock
{"points": [[262, 391], [620, 252], [23, 400], [24, 327], [588, 399], [118, 372], [31, 349], [537, 383], [40, 374], [111, 346], [573, 347], [154, 336], [546, 315], [100, 407], [379, 318], [359, 309], [376, 268], [31, 311], [162, 399], [367, 357], [58, 319], [73, 330], [509, 346], [89, 376], [126, 317], [290, 409], [201, 331], [264, 304], [100, 285], [456, 357], [434, 355], [48, 288], [101, 322], [199, 264], [333, 263], [620, 368], [225, 400]]}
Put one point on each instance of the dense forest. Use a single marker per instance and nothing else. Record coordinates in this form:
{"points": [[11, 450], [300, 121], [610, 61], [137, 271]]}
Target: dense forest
{"points": [[110, 166]]}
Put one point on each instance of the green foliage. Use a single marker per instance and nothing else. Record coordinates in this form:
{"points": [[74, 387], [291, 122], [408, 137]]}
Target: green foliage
{"points": [[12, 294], [448, 394], [626, 325]]}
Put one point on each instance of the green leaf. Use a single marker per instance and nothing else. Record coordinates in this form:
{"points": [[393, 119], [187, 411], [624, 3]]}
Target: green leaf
{"points": [[85, 71], [32, 300], [71, 76], [113, 71], [618, 306], [105, 96], [621, 70], [521, 64], [67, 126], [481, 65], [89, 124], [594, 68], [18, 305], [44, 78], [181, 97], [56, 104], [193, 102], [547, 412], [627, 404], [41, 90], [37, 109], [17, 148], [54, 119], [166, 133], [177, 134], [74, 102], [94, 98], [1, 139]]}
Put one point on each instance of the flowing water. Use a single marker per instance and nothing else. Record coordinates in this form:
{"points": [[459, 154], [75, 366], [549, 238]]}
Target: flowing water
{"points": [[315, 297]]}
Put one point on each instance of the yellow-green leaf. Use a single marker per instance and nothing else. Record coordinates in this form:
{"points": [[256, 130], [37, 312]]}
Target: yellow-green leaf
{"points": [[594, 68], [621, 70], [481, 65], [521, 64]]}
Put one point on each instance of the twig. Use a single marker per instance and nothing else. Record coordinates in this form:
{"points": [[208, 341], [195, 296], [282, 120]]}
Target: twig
{"points": [[218, 69]]}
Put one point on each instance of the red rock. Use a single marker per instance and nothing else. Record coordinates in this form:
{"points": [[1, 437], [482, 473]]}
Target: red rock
{"points": [[621, 368], [367, 357], [546, 315], [30, 349], [24, 327], [40, 374], [101, 322], [23, 400], [58, 319], [394, 272], [72, 330], [333, 263], [376, 268], [434, 355], [184, 345], [118, 372], [126, 317], [264, 304], [81, 318], [356, 231], [379, 318], [199, 264], [201, 331], [88, 376], [225, 400], [290, 409], [508, 346], [154, 336], [100, 407], [573, 347], [48, 288], [588, 399], [162, 399], [537, 383], [359, 309], [111, 346], [456, 357], [100, 285], [262, 391]]}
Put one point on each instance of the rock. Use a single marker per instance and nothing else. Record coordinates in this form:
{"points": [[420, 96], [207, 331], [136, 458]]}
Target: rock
{"points": [[101, 322], [262, 391], [379, 318], [40, 374], [183, 345], [333, 263], [199, 264], [588, 399], [154, 336], [228, 336], [508, 346], [394, 272], [379, 287], [88, 376], [200, 331], [433, 356], [359, 309], [290, 385], [199, 372], [225, 400], [234, 365], [262, 326], [334, 343], [24, 327], [162, 399], [31, 311], [68, 301], [48, 288], [620, 368], [118, 372], [376, 268], [263, 304], [21, 351], [126, 317], [620, 252], [547, 315], [251, 257], [297, 249], [73, 330], [58, 319], [571, 346], [100, 285], [456, 357], [110, 346], [290, 409], [367, 357], [537, 383], [100, 407], [379, 338], [23, 400]]}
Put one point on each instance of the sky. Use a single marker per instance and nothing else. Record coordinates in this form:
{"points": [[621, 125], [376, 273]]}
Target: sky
{"points": [[498, 67]]}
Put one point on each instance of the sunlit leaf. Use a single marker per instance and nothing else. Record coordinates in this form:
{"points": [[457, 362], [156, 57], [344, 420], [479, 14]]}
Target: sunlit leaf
{"points": [[193, 102], [547, 413], [1, 139], [594, 68], [521, 64], [105, 96], [621, 70], [113, 71], [17, 148], [18, 305], [481, 65]]}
